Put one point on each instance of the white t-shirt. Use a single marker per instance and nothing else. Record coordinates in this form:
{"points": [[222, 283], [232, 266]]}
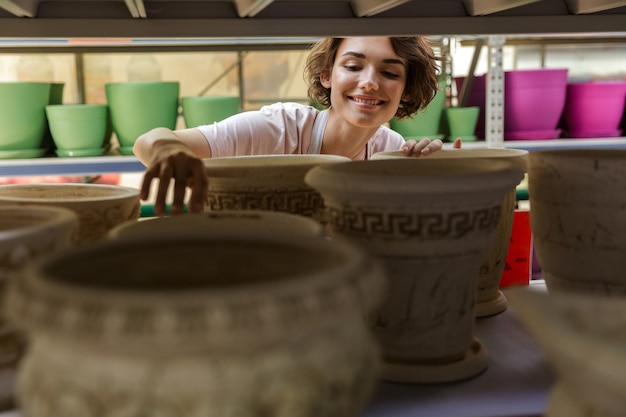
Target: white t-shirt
{"points": [[283, 128]]}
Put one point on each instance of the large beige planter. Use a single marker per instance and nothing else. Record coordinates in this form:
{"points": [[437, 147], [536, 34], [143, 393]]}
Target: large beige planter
{"points": [[251, 221], [99, 207], [489, 299], [199, 325], [266, 182], [26, 234], [582, 338], [578, 218], [431, 224]]}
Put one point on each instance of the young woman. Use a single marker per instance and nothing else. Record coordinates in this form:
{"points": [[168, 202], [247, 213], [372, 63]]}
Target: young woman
{"points": [[364, 82]]}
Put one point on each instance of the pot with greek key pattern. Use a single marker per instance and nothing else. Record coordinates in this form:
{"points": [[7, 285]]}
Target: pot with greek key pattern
{"points": [[431, 224], [266, 182], [199, 324], [489, 299]]}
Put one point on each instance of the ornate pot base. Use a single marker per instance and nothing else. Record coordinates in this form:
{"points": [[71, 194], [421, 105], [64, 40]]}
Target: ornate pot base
{"points": [[473, 363], [491, 307]]}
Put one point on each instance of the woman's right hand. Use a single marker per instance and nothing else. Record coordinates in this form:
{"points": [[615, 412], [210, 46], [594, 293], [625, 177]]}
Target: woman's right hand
{"points": [[168, 158]]}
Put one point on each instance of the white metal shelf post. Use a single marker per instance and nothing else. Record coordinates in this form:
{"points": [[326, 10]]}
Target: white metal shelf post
{"points": [[494, 122]]}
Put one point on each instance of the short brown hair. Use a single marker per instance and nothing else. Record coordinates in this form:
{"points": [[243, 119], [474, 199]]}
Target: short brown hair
{"points": [[422, 71]]}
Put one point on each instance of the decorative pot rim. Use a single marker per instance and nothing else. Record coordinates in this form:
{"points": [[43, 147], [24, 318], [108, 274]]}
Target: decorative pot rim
{"points": [[40, 304], [285, 165], [520, 156], [414, 176], [47, 217], [118, 192]]}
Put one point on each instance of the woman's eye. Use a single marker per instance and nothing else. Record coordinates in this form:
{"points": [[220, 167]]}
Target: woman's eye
{"points": [[391, 74], [352, 67]]}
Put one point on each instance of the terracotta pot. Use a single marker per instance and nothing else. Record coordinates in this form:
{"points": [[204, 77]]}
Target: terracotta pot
{"points": [[99, 207], [26, 233], [582, 338], [266, 182], [578, 218], [199, 325], [489, 299], [431, 223], [255, 221]]}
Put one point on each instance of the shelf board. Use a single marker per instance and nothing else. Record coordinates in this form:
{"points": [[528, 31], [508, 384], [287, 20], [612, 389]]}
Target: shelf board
{"points": [[535, 145], [70, 166]]}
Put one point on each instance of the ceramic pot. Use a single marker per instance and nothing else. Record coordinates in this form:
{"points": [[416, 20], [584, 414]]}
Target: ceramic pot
{"points": [[199, 325], [99, 207], [257, 221], [137, 107], [56, 97], [582, 338], [266, 182], [578, 218], [78, 129], [23, 115], [431, 223], [204, 110], [26, 233], [424, 123], [489, 299]]}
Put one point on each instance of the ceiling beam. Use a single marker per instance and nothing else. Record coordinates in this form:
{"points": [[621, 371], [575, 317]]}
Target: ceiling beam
{"points": [[20, 8], [592, 6], [485, 7], [136, 8], [249, 8], [366, 8]]}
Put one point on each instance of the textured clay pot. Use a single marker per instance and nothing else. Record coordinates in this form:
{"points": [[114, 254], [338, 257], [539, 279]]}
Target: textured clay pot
{"points": [[26, 234], [199, 325], [266, 182], [489, 299], [582, 338], [256, 221], [578, 218], [431, 223], [99, 207]]}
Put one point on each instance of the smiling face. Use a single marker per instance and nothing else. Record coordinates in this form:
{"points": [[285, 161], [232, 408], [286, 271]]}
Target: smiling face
{"points": [[367, 81]]}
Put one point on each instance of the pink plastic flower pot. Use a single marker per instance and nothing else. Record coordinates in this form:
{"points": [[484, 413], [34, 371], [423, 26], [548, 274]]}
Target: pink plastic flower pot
{"points": [[533, 102], [594, 108]]}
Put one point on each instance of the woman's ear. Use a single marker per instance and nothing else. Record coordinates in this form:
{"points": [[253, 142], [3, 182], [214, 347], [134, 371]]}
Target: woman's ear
{"points": [[325, 78]]}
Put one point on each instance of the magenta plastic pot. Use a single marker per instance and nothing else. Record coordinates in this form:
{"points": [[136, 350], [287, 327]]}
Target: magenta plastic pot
{"points": [[534, 99], [594, 108], [533, 102]]}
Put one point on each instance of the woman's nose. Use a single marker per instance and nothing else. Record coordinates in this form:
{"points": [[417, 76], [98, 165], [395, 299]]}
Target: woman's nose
{"points": [[369, 80]]}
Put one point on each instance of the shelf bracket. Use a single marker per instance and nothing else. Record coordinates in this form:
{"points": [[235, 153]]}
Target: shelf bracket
{"points": [[20, 8], [366, 8], [494, 122], [136, 8], [592, 6], [249, 8], [484, 7]]}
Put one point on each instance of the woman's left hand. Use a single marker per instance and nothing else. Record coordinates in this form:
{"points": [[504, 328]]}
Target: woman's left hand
{"points": [[425, 146]]}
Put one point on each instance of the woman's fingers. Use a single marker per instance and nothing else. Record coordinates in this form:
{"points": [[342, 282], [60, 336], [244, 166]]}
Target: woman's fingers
{"points": [[458, 143], [186, 172], [424, 147]]}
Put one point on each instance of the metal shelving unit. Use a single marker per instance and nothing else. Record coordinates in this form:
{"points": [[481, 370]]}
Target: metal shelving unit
{"points": [[190, 25]]}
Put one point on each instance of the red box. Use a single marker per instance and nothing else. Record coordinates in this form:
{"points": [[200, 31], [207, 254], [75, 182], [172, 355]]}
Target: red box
{"points": [[518, 267]]}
